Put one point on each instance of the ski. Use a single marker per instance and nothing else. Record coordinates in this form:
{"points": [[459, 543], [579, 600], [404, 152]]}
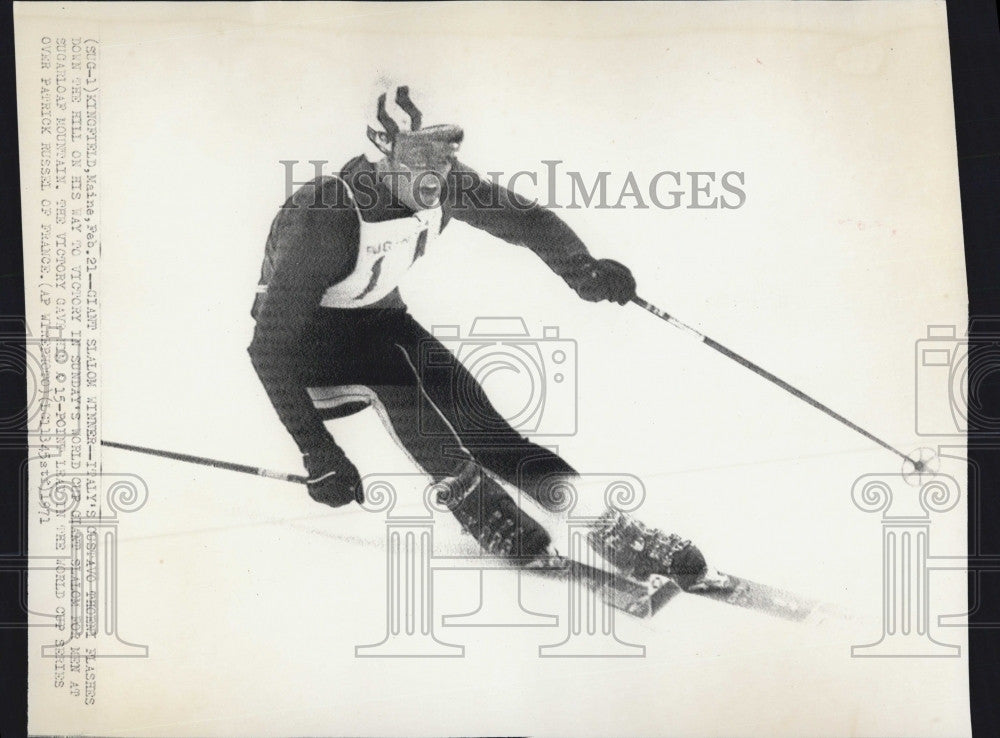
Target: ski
{"points": [[637, 598], [645, 598], [764, 598]]}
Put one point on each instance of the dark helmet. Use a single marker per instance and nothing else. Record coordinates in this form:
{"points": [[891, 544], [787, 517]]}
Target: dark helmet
{"points": [[399, 132]]}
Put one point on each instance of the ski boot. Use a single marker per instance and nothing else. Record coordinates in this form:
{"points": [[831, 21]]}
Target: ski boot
{"points": [[490, 515], [640, 552]]}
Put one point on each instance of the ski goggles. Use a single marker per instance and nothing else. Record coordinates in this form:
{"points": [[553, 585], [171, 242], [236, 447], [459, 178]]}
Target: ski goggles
{"points": [[428, 148]]}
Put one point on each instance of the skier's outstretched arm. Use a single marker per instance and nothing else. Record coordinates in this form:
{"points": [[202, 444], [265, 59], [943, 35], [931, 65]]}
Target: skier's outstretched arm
{"points": [[502, 213]]}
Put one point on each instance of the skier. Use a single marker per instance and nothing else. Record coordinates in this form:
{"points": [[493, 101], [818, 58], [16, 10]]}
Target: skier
{"points": [[329, 314]]}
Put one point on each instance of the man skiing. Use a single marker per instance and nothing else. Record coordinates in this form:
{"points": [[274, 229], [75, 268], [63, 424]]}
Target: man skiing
{"points": [[329, 315]]}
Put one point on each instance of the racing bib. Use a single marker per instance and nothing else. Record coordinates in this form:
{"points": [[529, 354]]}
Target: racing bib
{"points": [[385, 252]]}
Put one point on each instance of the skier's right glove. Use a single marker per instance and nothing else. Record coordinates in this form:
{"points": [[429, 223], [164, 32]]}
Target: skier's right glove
{"points": [[606, 279], [333, 479]]}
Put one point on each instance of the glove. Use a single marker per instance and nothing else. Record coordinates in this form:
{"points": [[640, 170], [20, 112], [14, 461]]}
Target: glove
{"points": [[333, 479], [607, 280]]}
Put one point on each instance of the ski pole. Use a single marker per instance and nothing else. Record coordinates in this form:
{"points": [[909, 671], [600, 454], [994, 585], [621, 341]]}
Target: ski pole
{"points": [[919, 465], [228, 465]]}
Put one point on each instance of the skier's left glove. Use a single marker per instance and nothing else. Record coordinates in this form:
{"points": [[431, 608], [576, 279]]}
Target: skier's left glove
{"points": [[607, 280], [333, 479]]}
